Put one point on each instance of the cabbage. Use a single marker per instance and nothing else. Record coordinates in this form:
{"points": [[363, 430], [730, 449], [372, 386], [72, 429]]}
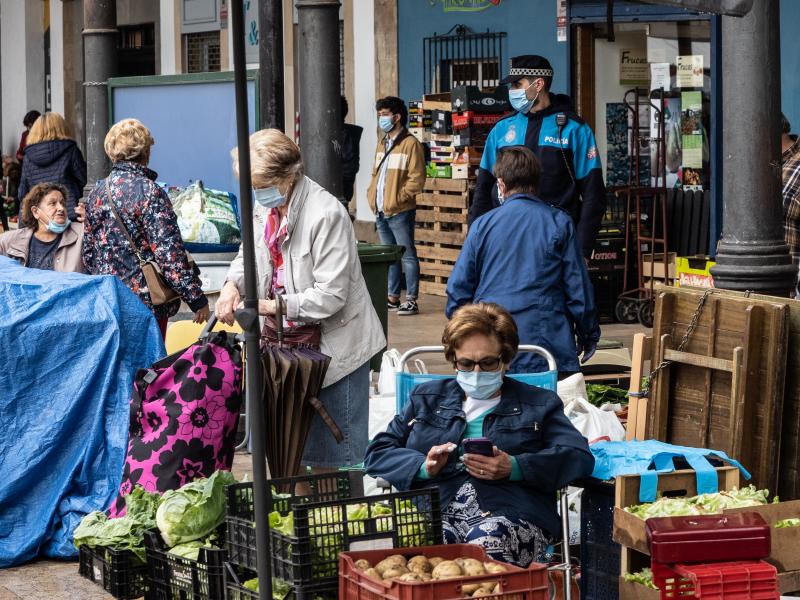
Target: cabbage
{"points": [[704, 504], [193, 511], [786, 523], [280, 589], [190, 550], [125, 533], [643, 577]]}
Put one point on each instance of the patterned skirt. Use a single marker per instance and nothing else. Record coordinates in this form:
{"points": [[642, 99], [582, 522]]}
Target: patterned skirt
{"points": [[506, 539]]}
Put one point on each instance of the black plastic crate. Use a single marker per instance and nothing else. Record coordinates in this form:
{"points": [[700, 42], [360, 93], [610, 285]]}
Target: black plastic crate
{"points": [[600, 555], [322, 530], [240, 512], [172, 577], [236, 576], [118, 572]]}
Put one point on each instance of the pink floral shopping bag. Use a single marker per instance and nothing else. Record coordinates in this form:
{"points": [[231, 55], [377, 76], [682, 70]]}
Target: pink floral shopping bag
{"points": [[184, 417]]}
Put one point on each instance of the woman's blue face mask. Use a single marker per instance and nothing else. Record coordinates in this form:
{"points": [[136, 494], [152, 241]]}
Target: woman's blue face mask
{"points": [[269, 197], [480, 385]]}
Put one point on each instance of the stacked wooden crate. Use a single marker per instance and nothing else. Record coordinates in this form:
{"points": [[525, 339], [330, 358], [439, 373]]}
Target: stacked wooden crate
{"points": [[440, 231]]}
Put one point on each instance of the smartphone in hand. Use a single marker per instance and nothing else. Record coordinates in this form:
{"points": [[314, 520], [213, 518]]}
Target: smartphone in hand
{"points": [[482, 446]]}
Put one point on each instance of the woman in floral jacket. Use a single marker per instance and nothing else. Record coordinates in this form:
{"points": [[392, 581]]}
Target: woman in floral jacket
{"points": [[146, 211]]}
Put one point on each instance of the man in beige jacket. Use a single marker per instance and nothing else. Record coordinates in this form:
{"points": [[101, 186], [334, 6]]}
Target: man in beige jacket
{"points": [[398, 175]]}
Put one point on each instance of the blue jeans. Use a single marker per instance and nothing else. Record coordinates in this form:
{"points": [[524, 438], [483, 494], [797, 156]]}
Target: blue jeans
{"points": [[399, 229], [347, 401]]}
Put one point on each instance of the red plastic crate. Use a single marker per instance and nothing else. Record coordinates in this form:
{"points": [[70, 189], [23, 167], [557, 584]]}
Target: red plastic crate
{"points": [[467, 118], [708, 538], [744, 580], [515, 584]]}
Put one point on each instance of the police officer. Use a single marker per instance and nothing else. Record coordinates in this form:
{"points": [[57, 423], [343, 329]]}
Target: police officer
{"points": [[572, 178]]}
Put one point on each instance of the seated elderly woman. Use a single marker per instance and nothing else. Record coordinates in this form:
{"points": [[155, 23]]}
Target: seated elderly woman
{"points": [[50, 241], [504, 501]]}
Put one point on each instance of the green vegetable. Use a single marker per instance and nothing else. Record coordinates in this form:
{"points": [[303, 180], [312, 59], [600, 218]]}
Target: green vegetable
{"points": [[602, 394], [643, 577], [125, 533], [190, 550], [280, 589], [193, 511], [786, 523], [704, 504]]}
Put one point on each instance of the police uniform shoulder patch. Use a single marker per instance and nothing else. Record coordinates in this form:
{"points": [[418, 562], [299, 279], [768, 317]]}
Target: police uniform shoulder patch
{"points": [[592, 153], [511, 135]]}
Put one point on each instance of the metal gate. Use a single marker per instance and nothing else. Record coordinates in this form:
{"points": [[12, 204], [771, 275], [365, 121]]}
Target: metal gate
{"points": [[462, 57]]}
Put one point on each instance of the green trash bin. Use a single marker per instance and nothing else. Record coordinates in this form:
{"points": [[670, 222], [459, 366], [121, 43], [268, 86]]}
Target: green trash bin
{"points": [[375, 262]]}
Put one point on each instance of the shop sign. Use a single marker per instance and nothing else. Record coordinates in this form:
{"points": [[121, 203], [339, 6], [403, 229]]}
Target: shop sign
{"points": [[633, 67], [659, 76], [690, 71], [465, 5]]}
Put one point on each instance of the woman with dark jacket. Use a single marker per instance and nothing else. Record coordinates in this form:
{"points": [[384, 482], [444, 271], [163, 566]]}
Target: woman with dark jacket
{"points": [[52, 157], [502, 494], [146, 213]]}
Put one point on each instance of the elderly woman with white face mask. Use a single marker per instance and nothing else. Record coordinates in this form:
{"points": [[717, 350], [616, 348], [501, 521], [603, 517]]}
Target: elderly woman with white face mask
{"points": [[306, 253], [50, 241]]}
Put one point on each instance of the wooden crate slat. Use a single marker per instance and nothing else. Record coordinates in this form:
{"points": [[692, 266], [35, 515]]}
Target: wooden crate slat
{"points": [[456, 238], [435, 289], [427, 199], [448, 185], [442, 270], [435, 253], [431, 216]]}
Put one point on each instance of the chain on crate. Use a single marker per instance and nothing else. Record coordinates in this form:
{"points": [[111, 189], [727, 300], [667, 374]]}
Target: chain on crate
{"points": [[648, 385]]}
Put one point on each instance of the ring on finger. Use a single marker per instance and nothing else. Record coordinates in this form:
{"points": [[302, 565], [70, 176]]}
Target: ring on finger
{"points": [[481, 471]]}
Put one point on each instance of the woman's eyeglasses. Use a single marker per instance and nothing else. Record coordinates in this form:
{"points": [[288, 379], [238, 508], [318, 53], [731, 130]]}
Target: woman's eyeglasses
{"points": [[490, 363]]}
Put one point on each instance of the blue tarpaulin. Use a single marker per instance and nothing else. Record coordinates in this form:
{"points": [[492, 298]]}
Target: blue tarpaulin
{"points": [[71, 345]]}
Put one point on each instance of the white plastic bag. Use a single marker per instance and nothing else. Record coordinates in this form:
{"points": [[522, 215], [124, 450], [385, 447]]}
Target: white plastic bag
{"points": [[593, 423], [390, 363], [382, 409]]}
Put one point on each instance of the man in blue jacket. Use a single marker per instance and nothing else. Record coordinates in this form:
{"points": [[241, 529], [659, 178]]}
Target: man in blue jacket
{"points": [[564, 144], [524, 257]]}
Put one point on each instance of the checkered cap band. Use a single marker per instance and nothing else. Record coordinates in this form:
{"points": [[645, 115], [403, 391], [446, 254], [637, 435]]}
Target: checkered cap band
{"points": [[531, 72]]}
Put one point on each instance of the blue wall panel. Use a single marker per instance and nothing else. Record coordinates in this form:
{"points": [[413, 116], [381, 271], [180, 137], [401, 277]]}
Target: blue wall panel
{"points": [[194, 126], [790, 62], [530, 25]]}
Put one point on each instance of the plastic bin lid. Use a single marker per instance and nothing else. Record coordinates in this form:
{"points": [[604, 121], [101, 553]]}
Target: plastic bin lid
{"points": [[706, 527], [379, 252]]}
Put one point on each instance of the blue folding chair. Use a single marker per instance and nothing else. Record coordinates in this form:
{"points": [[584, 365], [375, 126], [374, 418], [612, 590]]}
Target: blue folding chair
{"points": [[405, 382]]}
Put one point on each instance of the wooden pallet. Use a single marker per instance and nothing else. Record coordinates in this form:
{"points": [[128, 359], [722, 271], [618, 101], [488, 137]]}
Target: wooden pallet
{"points": [[699, 401], [440, 232]]}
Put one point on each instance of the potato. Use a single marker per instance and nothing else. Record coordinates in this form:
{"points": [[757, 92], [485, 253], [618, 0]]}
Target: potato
{"points": [[373, 574], [363, 564], [472, 567], [412, 577], [459, 561], [396, 571], [494, 567], [425, 576], [389, 562], [491, 586], [470, 588], [447, 570], [481, 593], [435, 561], [419, 564]]}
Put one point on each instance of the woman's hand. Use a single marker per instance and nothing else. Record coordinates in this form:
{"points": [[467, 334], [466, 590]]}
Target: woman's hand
{"points": [[80, 212], [490, 468], [266, 307], [228, 301], [201, 316], [437, 458]]}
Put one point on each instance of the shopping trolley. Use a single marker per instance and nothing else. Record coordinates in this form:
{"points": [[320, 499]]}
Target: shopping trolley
{"points": [[405, 382]]}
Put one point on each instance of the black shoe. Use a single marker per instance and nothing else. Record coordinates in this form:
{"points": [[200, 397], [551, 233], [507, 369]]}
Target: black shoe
{"points": [[392, 304], [408, 308]]}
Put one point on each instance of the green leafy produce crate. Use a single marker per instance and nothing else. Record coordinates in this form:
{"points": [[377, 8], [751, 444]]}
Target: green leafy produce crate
{"points": [[241, 584], [118, 572], [171, 576], [307, 539]]}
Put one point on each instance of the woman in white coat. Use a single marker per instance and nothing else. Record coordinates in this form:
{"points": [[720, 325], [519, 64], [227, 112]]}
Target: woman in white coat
{"points": [[306, 253]]}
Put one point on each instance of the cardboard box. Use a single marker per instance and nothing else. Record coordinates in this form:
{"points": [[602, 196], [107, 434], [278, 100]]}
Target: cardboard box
{"points": [[437, 102], [630, 531], [423, 135], [607, 254], [656, 269], [471, 136], [694, 271], [473, 119], [436, 170], [470, 97], [442, 122]]}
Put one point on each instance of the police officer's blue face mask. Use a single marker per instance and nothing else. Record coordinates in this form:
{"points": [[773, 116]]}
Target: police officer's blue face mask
{"points": [[519, 99]]}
